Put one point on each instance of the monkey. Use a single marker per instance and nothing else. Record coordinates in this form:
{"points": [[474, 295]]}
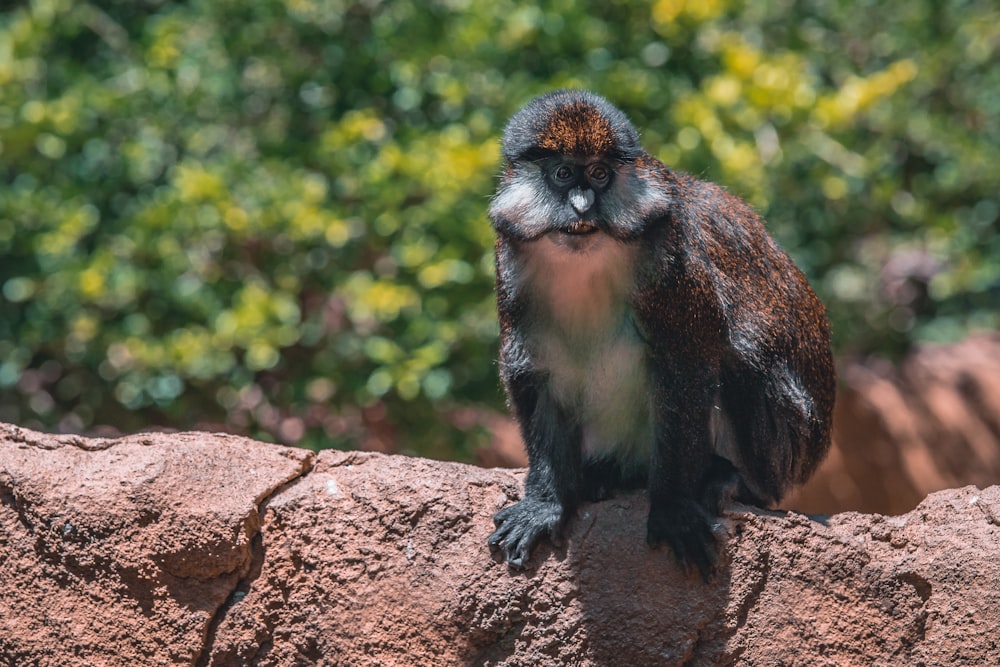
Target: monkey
{"points": [[653, 335]]}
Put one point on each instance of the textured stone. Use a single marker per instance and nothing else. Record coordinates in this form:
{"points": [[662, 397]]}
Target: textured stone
{"points": [[120, 552], [215, 550], [901, 432]]}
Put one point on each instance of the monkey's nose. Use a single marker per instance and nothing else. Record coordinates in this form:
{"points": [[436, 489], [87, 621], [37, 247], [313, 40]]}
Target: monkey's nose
{"points": [[581, 200]]}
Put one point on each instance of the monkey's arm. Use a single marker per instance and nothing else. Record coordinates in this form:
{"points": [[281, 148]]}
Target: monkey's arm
{"points": [[683, 325], [553, 443], [681, 460], [551, 490]]}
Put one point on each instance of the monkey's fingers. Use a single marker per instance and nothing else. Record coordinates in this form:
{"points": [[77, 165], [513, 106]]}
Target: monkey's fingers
{"points": [[516, 544], [687, 530], [522, 526]]}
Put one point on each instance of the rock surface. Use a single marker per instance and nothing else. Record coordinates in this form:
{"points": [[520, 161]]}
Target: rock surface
{"points": [[199, 549], [901, 432], [120, 552]]}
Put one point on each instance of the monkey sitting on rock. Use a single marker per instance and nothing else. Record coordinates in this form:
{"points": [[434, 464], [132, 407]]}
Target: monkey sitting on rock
{"points": [[652, 335]]}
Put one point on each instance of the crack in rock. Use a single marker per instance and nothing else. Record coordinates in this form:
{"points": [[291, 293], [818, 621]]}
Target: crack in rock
{"points": [[253, 568]]}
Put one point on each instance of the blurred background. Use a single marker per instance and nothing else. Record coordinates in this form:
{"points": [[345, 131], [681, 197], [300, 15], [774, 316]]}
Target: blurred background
{"points": [[268, 217]]}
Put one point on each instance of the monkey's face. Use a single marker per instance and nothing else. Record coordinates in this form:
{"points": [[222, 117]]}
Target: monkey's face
{"points": [[555, 194], [575, 170]]}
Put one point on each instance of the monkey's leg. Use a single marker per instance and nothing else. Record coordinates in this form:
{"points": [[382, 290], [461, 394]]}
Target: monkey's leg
{"points": [[770, 413], [551, 490], [599, 478], [724, 485], [681, 461]]}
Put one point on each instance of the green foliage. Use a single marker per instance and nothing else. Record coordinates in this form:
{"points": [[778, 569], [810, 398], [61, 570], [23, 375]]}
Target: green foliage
{"points": [[269, 216]]}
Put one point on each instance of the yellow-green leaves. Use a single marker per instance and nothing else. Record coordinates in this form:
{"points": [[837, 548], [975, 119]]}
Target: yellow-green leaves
{"points": [[270, 214]]}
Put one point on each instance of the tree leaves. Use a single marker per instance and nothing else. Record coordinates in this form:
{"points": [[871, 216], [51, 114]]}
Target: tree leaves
{"points": [[269, 216]]}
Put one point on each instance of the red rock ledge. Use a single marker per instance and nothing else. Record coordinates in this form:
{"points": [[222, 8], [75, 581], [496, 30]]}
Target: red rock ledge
{"points": [[205, 549]]}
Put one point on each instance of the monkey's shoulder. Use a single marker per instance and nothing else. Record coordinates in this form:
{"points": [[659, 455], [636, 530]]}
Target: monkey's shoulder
{"points": [[715, 236]]}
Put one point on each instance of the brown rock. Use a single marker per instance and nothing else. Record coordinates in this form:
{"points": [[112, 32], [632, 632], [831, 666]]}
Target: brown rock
{"points": [[148, 550], [120, 552], [901, 432]]}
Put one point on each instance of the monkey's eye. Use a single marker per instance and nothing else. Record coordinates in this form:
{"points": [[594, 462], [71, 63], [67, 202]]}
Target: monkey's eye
{"points": [[599, 175], [563, 174]]}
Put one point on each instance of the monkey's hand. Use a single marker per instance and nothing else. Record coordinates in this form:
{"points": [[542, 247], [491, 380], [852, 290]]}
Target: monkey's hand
{"points": [[687, 529], [523, 525]]}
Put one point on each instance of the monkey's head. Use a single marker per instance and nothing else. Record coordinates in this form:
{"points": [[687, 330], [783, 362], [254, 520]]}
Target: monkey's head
{"points": [[574, 168]]}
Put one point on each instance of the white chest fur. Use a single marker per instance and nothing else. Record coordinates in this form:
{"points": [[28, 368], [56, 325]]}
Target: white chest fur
{"points": [[582, 336]]}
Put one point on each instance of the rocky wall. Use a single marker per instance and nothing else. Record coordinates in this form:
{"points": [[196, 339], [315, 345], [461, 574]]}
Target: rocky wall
{"points": [[202, 549]]}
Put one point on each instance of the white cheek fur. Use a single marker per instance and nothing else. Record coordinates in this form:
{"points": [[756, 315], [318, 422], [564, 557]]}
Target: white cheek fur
{"points": [[632, 201], [526, 201], [528, 207]]}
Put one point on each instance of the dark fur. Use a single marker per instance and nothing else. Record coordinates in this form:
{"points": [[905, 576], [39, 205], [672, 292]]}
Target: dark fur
{"points": [[735, 345]]}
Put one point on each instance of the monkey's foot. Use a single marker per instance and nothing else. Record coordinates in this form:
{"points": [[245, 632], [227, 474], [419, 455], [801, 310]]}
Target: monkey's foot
{"points": [[523, 525], [726, 485], [687, 529]]}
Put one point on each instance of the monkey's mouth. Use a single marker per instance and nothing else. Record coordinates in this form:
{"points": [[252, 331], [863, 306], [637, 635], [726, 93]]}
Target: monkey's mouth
{"points": [[580, 228]]}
